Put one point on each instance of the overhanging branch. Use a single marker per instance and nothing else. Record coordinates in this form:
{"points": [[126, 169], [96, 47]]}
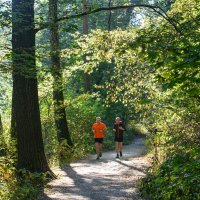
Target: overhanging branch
{"points": [[156, 9]]}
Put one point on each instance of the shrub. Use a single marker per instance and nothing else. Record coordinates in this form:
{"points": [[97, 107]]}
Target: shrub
{"points": [[176, 178]]}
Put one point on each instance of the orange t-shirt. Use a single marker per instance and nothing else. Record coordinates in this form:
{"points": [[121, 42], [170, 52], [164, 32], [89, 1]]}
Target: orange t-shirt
{"points": [[99, 129]]}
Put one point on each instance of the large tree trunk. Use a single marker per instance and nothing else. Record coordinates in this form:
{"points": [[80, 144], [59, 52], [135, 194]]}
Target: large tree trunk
{"points": [[30, 147], [58, 97], [87, 85]]}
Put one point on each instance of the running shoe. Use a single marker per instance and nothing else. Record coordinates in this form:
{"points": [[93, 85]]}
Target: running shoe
{"points": [[98, 157]]}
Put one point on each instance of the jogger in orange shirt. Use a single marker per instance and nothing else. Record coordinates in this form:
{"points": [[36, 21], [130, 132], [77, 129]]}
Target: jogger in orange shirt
{"points": [[99, 130]]}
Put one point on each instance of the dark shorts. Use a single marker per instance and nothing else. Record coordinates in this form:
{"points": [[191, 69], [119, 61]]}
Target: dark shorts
{"points": [[98, 140], [119, 139]]}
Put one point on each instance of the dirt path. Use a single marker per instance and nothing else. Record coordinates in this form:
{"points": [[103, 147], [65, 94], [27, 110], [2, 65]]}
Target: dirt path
{"points": [[104, 179]]}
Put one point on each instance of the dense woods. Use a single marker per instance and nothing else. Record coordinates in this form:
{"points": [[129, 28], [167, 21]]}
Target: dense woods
{"points": [[63, 63]]}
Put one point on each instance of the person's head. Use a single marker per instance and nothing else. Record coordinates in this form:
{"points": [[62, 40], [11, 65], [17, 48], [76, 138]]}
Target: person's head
{"points": [[98, 119], [117, 120]]}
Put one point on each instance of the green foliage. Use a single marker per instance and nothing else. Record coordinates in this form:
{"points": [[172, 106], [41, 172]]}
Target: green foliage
{"points": [[81, 111], [148, 75], [5, 14], [19, 185], [177, 178], [16, 185], [154, 74]]}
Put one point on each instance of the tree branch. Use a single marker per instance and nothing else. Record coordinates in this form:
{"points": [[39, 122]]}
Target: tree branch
{"points": [[156, 9]]}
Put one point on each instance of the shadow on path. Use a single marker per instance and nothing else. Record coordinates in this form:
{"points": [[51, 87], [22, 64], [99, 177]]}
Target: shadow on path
{"points": [[105, 179], [93, 187], [131, 167]]}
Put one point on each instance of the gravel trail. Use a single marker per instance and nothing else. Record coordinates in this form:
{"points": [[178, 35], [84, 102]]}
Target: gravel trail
{"points": [[105, 179]]}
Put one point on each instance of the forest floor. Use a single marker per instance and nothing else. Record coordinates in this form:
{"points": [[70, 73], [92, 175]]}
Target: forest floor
{"points": [[105, 179]]}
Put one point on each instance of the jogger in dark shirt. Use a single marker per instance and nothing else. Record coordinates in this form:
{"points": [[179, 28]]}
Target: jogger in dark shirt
{"points": [[118, 129]]}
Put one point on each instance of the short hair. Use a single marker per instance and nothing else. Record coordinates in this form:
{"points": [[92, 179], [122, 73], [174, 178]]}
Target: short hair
{"points": [[98, 118], [117, 118]]}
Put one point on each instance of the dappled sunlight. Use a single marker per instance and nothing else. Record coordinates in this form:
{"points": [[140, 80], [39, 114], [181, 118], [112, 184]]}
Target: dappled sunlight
{"points": [[97, 179], [99, 99]]}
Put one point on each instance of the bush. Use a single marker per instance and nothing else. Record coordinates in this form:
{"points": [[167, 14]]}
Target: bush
{"points": [[177, 178], [14, 187], [81, 113]]}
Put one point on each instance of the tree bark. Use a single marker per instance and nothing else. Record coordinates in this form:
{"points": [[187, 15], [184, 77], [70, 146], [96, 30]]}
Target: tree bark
{"points": [[58, 97], [30, 147], [87, 86]]}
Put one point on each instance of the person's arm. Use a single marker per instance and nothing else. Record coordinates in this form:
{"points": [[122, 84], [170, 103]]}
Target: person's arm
{"points": [[104, 129], [122, 127], [93, 130]]}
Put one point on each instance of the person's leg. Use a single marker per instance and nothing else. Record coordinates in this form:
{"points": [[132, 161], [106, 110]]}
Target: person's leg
{"points": [[117, 148], [120, 146], [97, 148], [100, 149]]}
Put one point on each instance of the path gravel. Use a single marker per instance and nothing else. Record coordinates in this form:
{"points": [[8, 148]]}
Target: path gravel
{"points": [[105, 179]]}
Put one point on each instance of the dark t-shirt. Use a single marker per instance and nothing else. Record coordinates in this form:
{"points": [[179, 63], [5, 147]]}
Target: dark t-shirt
{"points": [[119, 132]]}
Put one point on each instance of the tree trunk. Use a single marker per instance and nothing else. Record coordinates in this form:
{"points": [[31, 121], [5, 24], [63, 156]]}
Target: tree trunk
{"points": [[87, 85], [30, 147], [58, 97]]}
